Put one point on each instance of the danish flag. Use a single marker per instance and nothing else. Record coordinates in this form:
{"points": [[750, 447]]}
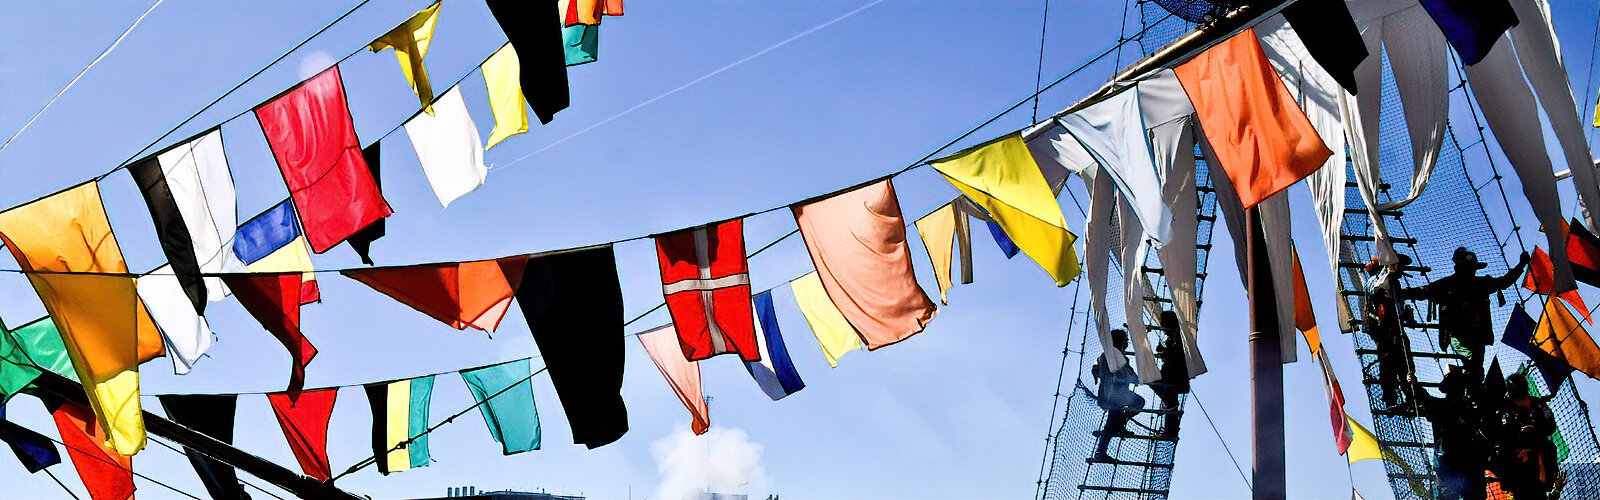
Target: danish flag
{"points": [[706, 279]]}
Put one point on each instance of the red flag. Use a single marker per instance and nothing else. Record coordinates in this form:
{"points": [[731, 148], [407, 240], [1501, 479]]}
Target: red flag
{"points": [[274, 300], [310, 133], [461, 294], [305, 423], [1583, 251], [1541, 278], [706, 279], [105, 473], [1259, 133]]}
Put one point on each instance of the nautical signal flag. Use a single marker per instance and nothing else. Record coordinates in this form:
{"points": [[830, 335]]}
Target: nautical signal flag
{"points": [[99, 316], [1560, 334], [1583, 251], [186, 333], [106, 473], [504, 393], [400, 423], [588, 12], [572, 301], [682, 375], [945, 232], [1541, 278], [1002, 177], [312, 137], [535, 30], [212, 415], [274, 301], [272, 243], [448, 147], [706, 280], [834, 333], [27, 349], [775, 372], [857, 242], [304, 420], [190, 193], [410, 41], [460, 294], [1258, 132], [1519, 336]]}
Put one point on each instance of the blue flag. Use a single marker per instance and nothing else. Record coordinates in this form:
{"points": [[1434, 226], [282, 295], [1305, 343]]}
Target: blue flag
{"points": [[775, 373], [1519, 335], [34, 450]]}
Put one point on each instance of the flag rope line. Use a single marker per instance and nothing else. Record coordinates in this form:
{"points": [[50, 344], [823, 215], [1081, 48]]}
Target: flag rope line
{"points": [[85, 70], [452, 418], [1038, 73], [919, 163], [61, 484], [169, 446], [109, 462]]}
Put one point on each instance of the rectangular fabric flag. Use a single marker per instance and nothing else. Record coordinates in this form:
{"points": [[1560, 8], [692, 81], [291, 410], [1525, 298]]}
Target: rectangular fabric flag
{"points": [[304, 420], [272, 243], [1541, 278], [33, 449], [184, 332], [28, 349], [312, 137], [410, 41], [682, 375], [1330, 36], [274, 301], [943, 232], [361, 242], [589, 12], [400, 423], [448, 147], [460, 294], [1116, 135], [504, 393], [1472, 27], [189, 191], [1583, 251], [775, 373], [582, 43], [106, 473], [103, 325], [1263, 140], [502, 76], [534, 28], [573, 304], [857, 241], [212, 415], [1002, 177], [1519, 336], [834, 333], [1561, 335], [706, 280]]}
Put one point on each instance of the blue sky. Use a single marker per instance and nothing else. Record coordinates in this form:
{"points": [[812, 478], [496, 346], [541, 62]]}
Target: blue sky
{"points": [[958, 412]]}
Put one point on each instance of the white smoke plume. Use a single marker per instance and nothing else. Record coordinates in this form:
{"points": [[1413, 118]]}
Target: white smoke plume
{"points": [[723, 460]]}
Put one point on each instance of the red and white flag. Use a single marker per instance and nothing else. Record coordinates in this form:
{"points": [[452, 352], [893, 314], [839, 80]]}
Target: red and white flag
{"points": [[706, 279]]}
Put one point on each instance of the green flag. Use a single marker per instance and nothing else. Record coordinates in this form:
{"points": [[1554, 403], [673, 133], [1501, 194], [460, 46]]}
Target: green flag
{"points": [[26, 349]]}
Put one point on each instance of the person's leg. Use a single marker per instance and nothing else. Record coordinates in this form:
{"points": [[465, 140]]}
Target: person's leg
{"points": [[1116, 421]]}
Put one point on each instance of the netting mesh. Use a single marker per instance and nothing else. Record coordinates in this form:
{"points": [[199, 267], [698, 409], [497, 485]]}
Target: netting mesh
{"points": [[1450, 213], [1143, 470]]}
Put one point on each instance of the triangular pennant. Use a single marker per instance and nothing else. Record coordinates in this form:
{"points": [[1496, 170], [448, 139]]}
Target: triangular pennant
{"points": [[304, 420], [460, 294], [106, 473], [274, 301], [212, 415], [681, 374]]}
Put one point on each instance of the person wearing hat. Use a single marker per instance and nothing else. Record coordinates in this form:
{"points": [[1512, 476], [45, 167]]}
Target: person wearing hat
{"points": [[1381, 320], [1461, 447], [1463, 300]]}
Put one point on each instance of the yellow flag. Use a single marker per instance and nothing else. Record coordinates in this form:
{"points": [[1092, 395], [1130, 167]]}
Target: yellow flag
{"points": [[1002, 177], [410, 42], [1363, 445], [1597, 113], [102, 323], [833, 331], [1563, 336], [938, 231], [502, 74]]}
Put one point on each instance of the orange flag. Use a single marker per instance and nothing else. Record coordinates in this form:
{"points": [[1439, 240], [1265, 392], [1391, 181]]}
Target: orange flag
{"points": [[461, 294], [1263, 139], [1560, 334], [1305, 319], [1541, 278]]}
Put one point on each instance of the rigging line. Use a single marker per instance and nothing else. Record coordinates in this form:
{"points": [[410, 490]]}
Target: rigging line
{"points": [[1038, 73], [374, 458], [169, 446], [1224, 442], [124, 163], [85, 70], [695, 81], [1061, 373], [1588, 81], [61, 484]]}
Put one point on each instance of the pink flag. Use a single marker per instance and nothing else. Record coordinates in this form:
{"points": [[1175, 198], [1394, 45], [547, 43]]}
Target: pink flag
{"points": [[683, 375], [857, 241]]}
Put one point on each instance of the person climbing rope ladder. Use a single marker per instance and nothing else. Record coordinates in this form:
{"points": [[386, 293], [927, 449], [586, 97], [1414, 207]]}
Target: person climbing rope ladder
{"points": [[1116, 396], [1463, 300], [1381, 321], [1174, 373]]}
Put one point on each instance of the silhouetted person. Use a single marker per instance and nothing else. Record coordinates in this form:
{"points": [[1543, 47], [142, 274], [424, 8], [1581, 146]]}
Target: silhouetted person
{"points": [[1461, 447], [1525, 458], [1463, 300], [1174, 372], [1116, 396], [1381, 320]]}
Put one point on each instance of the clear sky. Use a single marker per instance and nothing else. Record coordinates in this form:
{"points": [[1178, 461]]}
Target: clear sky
{"points": [[960, 411]]}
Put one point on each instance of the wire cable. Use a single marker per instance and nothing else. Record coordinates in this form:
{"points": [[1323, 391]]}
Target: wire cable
{"points": [[1038, 74], [103, 53], [1224, 442]]}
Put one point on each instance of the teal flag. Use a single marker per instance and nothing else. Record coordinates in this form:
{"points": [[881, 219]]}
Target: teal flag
{"points": [[36, 344], [583, 43], [505, 397]]}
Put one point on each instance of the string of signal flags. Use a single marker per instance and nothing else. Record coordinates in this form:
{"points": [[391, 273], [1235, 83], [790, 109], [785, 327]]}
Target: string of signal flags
{"points": [[183, 183]]}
